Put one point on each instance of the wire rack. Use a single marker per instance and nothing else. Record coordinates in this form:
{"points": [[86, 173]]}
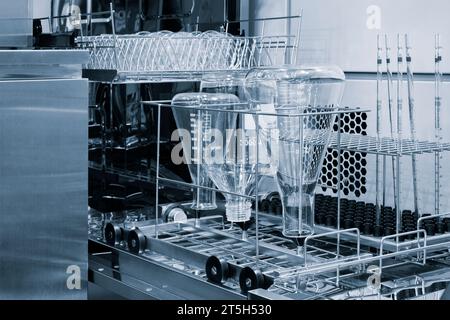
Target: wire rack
{"points": [[150, 54], [326, 263], [277, 256], [386, 146], [328, 258], [166, 55]]}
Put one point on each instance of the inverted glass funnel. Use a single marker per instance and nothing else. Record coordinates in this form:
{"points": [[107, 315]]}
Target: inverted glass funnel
{"points": [[200, 138], [235, 172], [297, 144], [233, 82], [241, 176]]}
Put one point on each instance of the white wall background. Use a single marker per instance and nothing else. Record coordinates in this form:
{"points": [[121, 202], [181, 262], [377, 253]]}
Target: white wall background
{"points": [[344, 32], [41, 8]]}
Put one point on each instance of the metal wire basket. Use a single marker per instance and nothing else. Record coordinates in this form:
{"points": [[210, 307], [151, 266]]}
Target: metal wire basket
{"points": [[166, 55], [147, 53]]}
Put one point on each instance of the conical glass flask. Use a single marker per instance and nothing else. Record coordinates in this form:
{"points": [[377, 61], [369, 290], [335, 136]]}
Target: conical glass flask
{"points": [[233, 82], [200, 138], [297, 144], [235, 170]]}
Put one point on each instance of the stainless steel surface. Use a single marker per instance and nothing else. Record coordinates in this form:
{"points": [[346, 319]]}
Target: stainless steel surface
{"points": [[16, 24], [150, 278], [171, 251], [43, 57], [43, 185], [260, 294], [49, 64]]}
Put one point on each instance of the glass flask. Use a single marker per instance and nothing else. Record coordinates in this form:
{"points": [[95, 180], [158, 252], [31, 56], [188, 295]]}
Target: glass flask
{"points": [[198, 135], [297, 144], [233, 166], [233, 82]]}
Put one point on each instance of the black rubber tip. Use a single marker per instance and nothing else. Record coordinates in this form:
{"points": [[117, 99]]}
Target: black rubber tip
{"points": [[389, 231], [330, 221], [378, 231], [113, 234], [367, 229], [250, 279], [348, 224], [430, 229], [216, 269], [359, 224], [447, 225], [440, 228], [136, 241], [246, 225]]}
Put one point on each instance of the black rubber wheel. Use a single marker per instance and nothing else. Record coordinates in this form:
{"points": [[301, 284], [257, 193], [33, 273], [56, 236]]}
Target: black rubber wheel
{"points": [[113, 234], [216, 269], [136, 241], [250, 279]]}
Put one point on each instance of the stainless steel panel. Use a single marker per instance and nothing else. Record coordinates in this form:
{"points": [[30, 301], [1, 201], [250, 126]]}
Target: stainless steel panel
{"points": [[16, 23], [31, 64], [139, 278], [43, 57], [16, 9], [43, 187]]}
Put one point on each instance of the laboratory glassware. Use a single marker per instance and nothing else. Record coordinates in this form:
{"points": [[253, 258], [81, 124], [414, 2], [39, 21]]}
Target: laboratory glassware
{"points": [[305, 101], [196, 134]]}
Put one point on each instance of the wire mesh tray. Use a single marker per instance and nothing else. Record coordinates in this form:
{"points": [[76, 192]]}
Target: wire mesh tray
{"points": [[386, 146], [167, 52]]}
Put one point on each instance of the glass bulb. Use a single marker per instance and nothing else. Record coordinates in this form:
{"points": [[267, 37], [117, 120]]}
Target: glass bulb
{"points": [[236, 171], [241, 177], [233, 82], [296, 145], [200, 132]]}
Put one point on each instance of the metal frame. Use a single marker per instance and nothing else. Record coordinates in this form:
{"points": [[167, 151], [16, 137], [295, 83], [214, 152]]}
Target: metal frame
{"points": [[190, 244]]}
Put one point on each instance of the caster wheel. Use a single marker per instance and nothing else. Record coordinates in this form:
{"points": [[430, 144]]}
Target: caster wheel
{"points": [[216, 270], [250, 279], [113, 234], [136, 241]]}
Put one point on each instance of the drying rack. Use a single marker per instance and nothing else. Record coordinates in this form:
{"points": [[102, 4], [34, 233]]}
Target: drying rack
{"points": [[167, 57], [387, 146], [331, 256]]}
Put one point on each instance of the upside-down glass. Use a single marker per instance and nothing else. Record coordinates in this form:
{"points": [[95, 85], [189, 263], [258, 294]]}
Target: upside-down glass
{"points": [[300, 141], [233, 164], [197, 130], [233, 82]]}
